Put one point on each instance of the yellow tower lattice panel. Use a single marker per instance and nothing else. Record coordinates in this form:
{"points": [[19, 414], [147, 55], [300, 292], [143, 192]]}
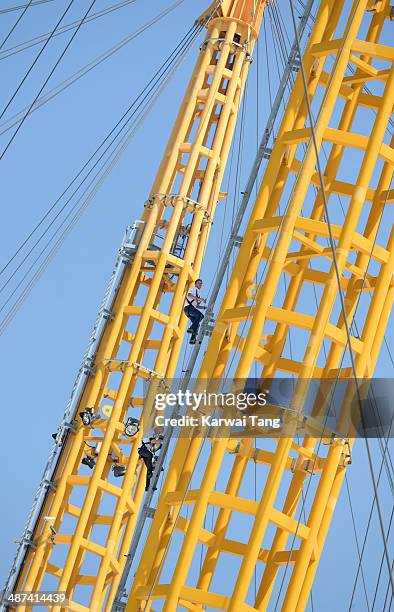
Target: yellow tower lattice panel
{"points": [[286, 244], [93, 514]]}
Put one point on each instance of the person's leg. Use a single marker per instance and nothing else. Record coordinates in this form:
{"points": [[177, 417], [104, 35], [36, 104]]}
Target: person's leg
{"points": [[147, 458], [200, 318], [194, 328], [196, 317], [149, 469], [187, 313]]}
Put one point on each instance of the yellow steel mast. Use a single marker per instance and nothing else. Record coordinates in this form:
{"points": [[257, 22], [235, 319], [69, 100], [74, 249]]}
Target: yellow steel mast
{"points": [[254, 324], [88, 517]]}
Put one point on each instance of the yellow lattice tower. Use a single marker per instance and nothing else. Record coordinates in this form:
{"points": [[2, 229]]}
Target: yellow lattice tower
{"points": [[254, 324], [147, 317]]}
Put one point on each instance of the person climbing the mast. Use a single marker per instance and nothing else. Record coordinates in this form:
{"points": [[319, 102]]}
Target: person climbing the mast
{"points": [[151, 443], [193, 309]]}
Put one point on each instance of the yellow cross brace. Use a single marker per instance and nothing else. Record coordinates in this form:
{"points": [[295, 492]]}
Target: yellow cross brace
{"points": [[252, 330]]}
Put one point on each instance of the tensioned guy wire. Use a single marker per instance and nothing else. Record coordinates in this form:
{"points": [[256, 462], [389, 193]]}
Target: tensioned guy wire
{"points": [[93, 186], [137, 101], [19, 7], [36, 58], [27, 44], [48, 77], [15, 24]]}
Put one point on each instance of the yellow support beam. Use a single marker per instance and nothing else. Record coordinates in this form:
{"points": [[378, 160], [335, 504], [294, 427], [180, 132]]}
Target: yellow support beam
{"points": [[181, 206], [252, 330]]}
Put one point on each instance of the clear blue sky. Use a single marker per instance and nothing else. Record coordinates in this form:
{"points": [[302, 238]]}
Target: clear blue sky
{"points": [[42, 347]]}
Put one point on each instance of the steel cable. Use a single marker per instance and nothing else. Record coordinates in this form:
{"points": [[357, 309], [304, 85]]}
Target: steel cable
{"points": [[36, 58], [47, 79], [138, 100], [19, 7], [14, 120], [359, 567], [116, 154], [15, 25], [28, 44]]}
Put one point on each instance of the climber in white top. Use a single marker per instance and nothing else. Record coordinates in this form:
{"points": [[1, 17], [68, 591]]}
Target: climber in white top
{"points": [[193, 309]]}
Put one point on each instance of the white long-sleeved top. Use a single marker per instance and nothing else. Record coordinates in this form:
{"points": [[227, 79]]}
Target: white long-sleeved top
{"points": [[193, 297]]}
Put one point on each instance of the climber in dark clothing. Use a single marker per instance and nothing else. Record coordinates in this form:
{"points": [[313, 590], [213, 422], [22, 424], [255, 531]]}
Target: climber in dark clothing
{"points": [[151, 442], [193, 307]]}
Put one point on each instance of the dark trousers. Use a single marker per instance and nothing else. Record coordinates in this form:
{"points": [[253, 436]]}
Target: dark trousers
{"points": [[147, 457], [195, 317]]}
